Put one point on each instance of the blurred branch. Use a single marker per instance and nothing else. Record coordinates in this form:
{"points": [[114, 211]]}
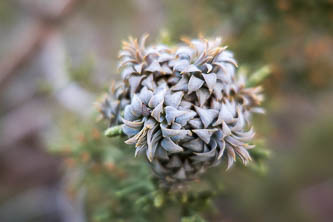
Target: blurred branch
{"points": [[39, 32], [51, 16]]}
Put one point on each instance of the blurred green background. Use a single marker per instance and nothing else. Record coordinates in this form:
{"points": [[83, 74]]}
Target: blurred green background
{"points": [[58, 57]]}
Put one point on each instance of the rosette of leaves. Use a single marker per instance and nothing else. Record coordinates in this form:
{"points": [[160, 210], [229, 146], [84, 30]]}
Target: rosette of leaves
{"points": [[188, 109]]}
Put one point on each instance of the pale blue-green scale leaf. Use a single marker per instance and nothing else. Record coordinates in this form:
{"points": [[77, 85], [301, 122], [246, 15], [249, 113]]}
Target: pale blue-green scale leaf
{"points": [[207, 116], [170, 146]]}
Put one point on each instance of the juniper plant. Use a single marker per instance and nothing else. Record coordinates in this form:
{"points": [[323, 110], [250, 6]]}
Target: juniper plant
{"points": [[183, 106]]}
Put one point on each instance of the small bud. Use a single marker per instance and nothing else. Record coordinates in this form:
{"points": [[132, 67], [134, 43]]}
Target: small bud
{"points": [[113, 131], [158, 200]]}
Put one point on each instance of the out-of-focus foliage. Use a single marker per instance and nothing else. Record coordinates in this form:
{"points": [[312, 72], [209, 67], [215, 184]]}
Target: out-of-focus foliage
{"points": [[294, 36], [107, 174], [6, 13]]}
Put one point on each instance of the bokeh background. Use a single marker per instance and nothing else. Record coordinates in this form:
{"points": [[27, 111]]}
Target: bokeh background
{"points": [[57, 57]]}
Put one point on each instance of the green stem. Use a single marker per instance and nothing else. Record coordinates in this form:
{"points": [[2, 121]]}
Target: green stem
{"points": [[113, 131]]}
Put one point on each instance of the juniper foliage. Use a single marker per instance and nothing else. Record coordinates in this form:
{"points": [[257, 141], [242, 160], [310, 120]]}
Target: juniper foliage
{"points": [[120, 187], [185, 107]]}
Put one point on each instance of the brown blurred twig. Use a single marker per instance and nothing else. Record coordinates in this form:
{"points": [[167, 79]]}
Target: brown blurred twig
{"points": [[38, 33]]}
